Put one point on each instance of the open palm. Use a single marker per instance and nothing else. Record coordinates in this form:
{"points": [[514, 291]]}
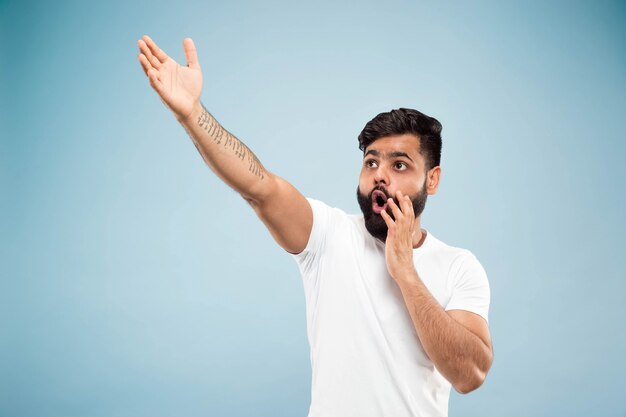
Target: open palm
{"points": [[179, 87]]}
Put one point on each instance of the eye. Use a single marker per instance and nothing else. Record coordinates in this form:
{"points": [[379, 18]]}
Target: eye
{"points": [[370, 163], [400, 166]]}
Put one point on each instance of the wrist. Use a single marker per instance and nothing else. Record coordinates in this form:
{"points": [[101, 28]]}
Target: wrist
{"points": [[196, 110], [407, 274]]}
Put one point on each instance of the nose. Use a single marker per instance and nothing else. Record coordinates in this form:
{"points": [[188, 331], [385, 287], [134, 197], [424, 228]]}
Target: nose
{"points": [[381, 176]]}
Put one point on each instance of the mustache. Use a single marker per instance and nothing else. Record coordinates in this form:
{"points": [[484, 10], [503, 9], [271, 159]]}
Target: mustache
{"points": [[381, 189], [384, 191]]}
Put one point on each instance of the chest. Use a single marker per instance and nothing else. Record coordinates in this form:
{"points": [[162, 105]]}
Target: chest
{"points": [[357, 272]]}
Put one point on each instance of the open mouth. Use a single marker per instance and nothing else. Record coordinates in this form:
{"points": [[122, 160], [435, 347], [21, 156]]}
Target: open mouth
{"points": [[379, 201]]}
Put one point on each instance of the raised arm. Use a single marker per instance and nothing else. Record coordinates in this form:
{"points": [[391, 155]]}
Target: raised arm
{"points": [[285, 212]]}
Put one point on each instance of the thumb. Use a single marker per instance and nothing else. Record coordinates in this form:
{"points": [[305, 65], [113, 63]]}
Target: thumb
{"points": [[191, 54]]}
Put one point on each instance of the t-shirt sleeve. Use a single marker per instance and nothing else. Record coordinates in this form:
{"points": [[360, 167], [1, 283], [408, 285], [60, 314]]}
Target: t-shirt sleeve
{"points": [[322, 220], [470, 288]]}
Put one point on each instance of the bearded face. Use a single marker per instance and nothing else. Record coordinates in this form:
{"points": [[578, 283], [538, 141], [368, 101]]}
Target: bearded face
{"points": [[376, 201]]}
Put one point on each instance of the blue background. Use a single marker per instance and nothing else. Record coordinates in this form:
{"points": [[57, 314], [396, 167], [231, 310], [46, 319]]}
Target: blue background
{"points": [[135, 283]]}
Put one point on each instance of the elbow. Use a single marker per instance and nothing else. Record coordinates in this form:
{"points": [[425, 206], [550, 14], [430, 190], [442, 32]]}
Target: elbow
{"points": [[469, 384], [260, 192], [473, 379], [250, 200]]}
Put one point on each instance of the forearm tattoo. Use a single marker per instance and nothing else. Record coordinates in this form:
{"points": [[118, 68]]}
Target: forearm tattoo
{"points": [[222, 136]]}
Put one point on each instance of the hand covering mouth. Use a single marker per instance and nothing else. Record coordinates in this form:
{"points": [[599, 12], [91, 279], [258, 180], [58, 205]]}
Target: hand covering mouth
{"points": [[379, 201]]}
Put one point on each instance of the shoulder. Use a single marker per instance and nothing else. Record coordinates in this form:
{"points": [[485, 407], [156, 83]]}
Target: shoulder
{"points": [[444, 251], [325, 217], [466, 281], [331, 226], [455, 258], [321, 208], [325, 213]]}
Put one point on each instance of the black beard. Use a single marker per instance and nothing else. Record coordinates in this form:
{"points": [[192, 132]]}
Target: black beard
{"points": [[374, 223]]}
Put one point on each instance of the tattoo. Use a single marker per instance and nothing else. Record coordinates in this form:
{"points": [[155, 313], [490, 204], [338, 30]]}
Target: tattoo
{"points": [[222, 136]]}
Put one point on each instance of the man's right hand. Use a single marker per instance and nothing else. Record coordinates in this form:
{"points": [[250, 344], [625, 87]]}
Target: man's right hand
{"points": [[179, 87], [286, 213]]}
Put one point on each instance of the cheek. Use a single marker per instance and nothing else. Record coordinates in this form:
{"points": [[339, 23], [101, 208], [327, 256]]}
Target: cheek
{"points": [[407, 187], [363, 181]]}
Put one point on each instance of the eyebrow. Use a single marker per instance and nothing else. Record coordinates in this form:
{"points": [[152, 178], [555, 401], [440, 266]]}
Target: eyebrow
{"points": [[394, 154]]}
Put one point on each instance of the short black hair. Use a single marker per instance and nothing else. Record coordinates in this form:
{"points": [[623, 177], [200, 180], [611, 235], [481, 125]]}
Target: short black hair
{"points": [[402, 121]]}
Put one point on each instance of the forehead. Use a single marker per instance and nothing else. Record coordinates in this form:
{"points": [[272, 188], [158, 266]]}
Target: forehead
{"points": [[407, 143]]}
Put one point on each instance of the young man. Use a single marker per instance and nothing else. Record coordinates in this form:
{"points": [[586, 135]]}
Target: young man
{"points": [[395, 317]]}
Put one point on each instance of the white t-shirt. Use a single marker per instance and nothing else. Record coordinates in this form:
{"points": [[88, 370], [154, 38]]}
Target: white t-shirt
{"points": [[366, 358]]}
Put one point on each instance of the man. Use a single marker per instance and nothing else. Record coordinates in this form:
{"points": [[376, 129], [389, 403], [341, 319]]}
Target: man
{"points": [[395, 317]]}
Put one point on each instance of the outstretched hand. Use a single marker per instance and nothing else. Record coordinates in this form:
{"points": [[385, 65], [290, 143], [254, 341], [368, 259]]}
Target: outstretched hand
{"points": [[179, 87]]}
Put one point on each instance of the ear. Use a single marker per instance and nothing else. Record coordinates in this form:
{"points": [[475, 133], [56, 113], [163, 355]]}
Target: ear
{"points": [[432, 180]]}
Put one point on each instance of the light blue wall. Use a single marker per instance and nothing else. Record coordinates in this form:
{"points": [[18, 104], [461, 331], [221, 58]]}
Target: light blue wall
{"points": [[134, 283]]}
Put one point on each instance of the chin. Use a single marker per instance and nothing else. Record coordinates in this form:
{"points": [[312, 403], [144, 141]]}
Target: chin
{"points": [[374, 222]]}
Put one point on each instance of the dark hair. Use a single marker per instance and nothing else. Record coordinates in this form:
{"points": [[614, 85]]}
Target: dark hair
{"points": [[401, 121]]}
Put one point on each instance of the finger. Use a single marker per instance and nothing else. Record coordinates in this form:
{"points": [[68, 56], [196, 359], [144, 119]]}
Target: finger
{"points": [[401, 201], [410, 215], [406, 204], [144, 63], [387, 218], [149, 55], [145, 50], [156, 51], [190, 53], [155, 63], [154, 80], [397, 213]]}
